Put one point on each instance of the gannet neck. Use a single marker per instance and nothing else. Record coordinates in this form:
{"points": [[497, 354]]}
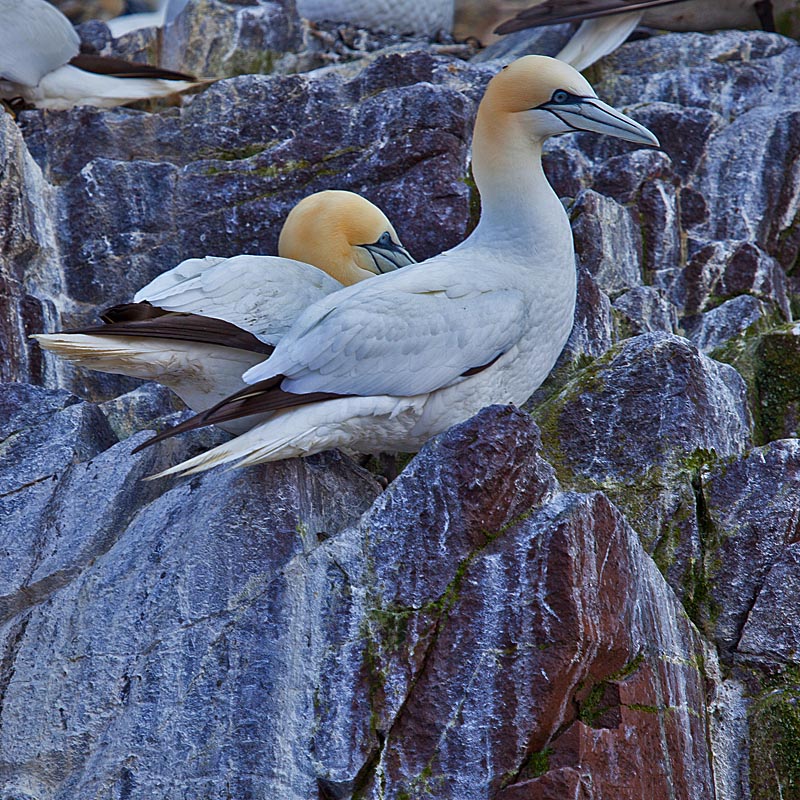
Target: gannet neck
{"points": [[518, 205]]}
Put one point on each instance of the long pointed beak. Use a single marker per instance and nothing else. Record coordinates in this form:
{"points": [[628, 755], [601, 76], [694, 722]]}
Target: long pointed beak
{"points": [[591, 114], [388, 258]]}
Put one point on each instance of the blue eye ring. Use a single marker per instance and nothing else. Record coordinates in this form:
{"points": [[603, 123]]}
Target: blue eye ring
{"points": [[560, 96]]}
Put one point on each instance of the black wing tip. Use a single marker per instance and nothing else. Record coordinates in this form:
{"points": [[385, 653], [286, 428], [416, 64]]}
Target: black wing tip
{"points": [[120, 68]]}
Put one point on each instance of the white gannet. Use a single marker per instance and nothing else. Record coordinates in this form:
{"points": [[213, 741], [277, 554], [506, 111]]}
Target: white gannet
{"points": [[41, 63], [167, 11], [199, 326], [606, 24], [421, 17], [386, 364]]}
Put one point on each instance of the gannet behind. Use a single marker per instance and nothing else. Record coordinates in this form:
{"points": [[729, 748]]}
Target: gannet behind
{"points": [[480, 324], [199, 326], [421, 17], [167, 12], [40, 62], [606, 24]]}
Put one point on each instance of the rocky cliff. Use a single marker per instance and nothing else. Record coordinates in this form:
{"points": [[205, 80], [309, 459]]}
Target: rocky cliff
{"points": [[591, 598]]}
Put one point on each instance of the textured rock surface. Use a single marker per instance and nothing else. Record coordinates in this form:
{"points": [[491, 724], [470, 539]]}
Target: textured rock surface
{"points": [[480, 629]]}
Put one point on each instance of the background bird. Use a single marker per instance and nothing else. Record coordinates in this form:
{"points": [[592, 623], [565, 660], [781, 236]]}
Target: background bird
{"points": [[422, 17], [41, 63], [199, 326], [386, 364], [166, 13], [606, 24]]}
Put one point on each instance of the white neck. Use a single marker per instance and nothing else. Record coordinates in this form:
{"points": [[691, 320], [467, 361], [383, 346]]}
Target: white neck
{"points": [[518, 206]]}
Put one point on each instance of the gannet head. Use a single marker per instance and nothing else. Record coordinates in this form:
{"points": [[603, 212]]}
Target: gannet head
{"points": [[343, 234], [551, 97]]}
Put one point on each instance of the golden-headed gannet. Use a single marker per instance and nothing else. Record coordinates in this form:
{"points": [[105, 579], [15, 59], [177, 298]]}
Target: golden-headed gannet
{"points": [[199, 326], [41, 63], [606, 24], [421, 17], [386, 364]]}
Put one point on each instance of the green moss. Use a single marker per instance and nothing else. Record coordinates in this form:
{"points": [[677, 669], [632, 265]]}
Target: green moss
{"points": [[766, 357], [539, 763], [591, 709], [474, 201], [775, 739], [777, 384], [643, 708], [243, 62]]}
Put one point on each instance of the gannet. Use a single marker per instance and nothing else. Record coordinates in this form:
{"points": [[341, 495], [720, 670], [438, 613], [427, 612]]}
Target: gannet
{"points": [[167, 11], [606, 24], [421, 17], [227, 314], [41, 63], [386, 364]]}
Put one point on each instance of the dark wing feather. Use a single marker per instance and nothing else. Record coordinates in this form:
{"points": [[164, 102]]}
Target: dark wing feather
{"points": [[554, 12], [119, 68]]}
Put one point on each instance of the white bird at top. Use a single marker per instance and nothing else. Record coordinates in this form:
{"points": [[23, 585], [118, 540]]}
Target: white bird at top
{"points": [[199, 326], [421, 17], [606, 24], [41, 63], [386, 364], [167, 11]]}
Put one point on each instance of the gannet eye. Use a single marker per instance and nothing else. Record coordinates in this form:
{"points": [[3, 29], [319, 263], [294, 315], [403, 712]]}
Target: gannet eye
{"points": [[560, 96], [386, 239]]}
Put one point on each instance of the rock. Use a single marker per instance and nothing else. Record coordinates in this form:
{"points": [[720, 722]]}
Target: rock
{"points": [[608, 242], [645, 309], [724, 270], [640, 422], [28, 265], [750, 512], [771, 632], [140, 408], [733, 318]]}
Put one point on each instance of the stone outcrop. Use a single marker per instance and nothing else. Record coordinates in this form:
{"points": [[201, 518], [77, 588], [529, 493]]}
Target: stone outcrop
{"points": [[600, 609]]}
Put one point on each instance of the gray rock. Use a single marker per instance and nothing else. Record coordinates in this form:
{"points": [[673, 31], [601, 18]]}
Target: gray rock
{"points": [[140, 408], [723, 270], [640, 422], [608, 242], [727, 321], [645, 309], [751, 518]]}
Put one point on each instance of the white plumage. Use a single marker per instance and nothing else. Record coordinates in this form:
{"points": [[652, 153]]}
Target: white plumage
{"points": [[341, 232], [37, 42], [419, 350]]}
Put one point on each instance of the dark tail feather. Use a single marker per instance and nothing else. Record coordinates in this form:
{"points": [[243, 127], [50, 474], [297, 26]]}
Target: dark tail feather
{"points": [[554, 12], [259, 398]]}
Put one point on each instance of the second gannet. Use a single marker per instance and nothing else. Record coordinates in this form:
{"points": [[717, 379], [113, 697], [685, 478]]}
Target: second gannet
{"points": [[420, 17], [606, 24], [199, 326], [386, 364], [167, 12], [41, 63]]}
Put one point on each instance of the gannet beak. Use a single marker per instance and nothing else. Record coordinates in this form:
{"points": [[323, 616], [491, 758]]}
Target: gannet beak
{"points": [[388, 255], [591, 114]]}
